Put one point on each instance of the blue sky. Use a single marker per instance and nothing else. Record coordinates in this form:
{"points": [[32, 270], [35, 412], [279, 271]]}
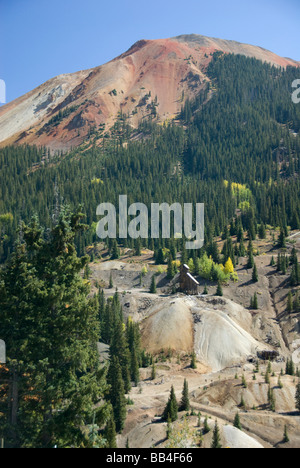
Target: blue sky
{"points": [[44, 38]]}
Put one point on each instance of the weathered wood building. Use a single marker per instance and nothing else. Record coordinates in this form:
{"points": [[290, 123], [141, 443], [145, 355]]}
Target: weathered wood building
{"points": [[188, 284]]}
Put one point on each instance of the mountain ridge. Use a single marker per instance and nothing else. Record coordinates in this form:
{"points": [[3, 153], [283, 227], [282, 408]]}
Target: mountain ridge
{"points": [[151, 79]]}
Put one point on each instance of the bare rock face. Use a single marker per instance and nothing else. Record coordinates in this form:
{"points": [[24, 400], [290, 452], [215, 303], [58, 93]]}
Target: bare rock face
{"points": [[151, 78], [218, 330]]}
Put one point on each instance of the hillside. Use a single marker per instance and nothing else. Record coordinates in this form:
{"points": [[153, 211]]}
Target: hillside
{"points": [[227, 337], [153, 78]]}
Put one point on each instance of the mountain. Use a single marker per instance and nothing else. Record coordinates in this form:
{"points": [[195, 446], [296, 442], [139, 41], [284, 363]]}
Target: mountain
{"points": [[153, 78]]}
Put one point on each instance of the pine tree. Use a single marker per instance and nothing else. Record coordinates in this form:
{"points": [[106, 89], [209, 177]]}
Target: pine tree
{"points": [[170, 270], [242, 249], [111, 284], [185, 402], [173, 251], [206, 428], [290, 303], [254, 274], [193, 361], [282, 239], [171, 410], [153, 285], [216, 442], [255, 302], [285, 435], [219, 291], [250, 263], [138, 247], [153, 372], [271, 399], [290, 368], [135, 371], [110, 434], [295, 275], [119, 348], [116, 393], [160, 259], [262, 231], [53, 359], [205, 292], [237, 422], [244, 382], [115, 251]]}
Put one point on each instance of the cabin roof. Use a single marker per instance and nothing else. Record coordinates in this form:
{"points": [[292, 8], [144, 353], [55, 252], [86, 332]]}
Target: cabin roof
{"points": [[193, 279]]}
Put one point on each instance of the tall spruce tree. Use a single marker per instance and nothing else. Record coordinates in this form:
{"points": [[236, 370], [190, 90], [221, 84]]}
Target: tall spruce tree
{"points": [[116, 394], [216, 442], [153, 285], [254, 274], [51, 329], [185, 401], [119, 348], [171, 410]]}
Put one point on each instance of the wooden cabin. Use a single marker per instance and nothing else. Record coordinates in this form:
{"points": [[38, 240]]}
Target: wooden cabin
{"points": [[188, 284]]}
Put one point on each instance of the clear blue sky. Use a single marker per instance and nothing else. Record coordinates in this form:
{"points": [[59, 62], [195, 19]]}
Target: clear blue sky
{"points": [[44, 38]]}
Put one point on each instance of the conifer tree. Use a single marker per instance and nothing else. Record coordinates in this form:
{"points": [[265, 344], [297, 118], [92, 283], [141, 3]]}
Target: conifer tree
{"points": [[255, 302], [153, 371], [171, 410], [290, 302], [160, 259], [193, 361], [135, 371], [53, 359], [254, 274], [185, 401], [206, 428], [138, 247], [242, 249], [170, 271], [262, 231], [110, 434], [115, 251], [116, 393], [153, 285], [286, 438], [216, 442], [219, 291], [237, 422], [119, 348], [282, 240], [250, 263]]}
